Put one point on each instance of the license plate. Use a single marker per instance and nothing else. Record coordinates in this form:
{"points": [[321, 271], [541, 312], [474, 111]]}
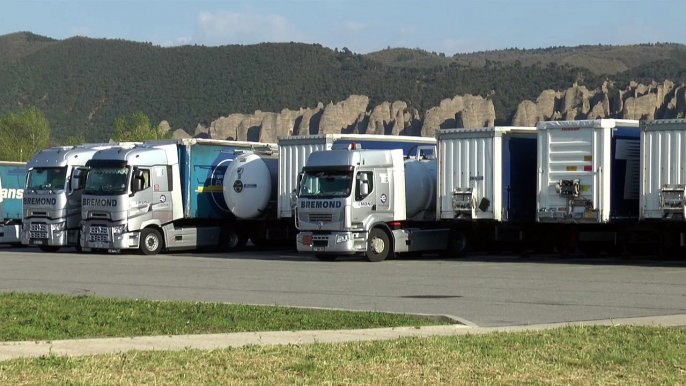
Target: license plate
{"points": [[318, 249], [97, 244], [37, 242]]}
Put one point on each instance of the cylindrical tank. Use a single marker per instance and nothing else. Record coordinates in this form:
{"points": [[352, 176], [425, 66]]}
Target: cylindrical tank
{"points": [[420, 186], [250, 183]]}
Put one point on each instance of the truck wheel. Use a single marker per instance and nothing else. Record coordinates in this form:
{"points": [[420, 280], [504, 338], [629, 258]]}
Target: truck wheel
{"points": [[151, 241], [323, 257], [78, 246], [232, 240], [458, 244], [378, 245], [49, 248]]}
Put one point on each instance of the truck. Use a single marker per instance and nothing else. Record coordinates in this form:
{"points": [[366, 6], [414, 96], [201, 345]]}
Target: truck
{"points": [[52, 196], [372, 202], [662, 203], [161, 196], [487, 188], [260, 189], [588, 182], [12, 180]]}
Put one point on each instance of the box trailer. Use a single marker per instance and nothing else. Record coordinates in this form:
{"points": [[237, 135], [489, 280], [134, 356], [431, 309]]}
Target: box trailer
{"points": [[487, 185], [663, 181], [588, 182]]}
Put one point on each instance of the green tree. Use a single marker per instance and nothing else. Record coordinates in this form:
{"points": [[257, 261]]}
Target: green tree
{"points": [[22, 135], [75, 140], [137, 128]]}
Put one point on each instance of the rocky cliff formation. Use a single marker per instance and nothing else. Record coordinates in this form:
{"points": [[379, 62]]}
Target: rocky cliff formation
{"points": [[356, 115]]}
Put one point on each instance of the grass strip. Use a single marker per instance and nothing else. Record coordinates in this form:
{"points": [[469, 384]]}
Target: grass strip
{"points": [[38, 316], [566, 356]]}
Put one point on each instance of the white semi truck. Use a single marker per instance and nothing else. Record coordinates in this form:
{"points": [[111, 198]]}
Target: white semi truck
{"points": [[260, 189], [161, 196], [373, 202], [52, 196]]}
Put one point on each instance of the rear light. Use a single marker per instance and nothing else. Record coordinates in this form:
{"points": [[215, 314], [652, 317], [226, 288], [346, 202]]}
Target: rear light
{"points": [[588, 168]]}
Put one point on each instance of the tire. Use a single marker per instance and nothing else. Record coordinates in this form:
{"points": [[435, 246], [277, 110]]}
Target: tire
{"points": [[78, 246], [325, 257], [49, 248], [378, 246], [151, 241], [458, 244], [232, 241]]}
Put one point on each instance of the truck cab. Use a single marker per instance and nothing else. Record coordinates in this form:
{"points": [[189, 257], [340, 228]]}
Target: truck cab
{"points": [[52, 196]]}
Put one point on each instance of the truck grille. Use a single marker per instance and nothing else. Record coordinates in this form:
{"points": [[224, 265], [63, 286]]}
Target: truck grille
{"points": [[99, 238], [39, 227], [38, 235], [99, 230], [323, 217]]}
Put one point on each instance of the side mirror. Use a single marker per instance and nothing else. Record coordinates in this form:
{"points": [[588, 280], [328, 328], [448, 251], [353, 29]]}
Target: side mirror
{"points": [[364, 177], [364, 188]]}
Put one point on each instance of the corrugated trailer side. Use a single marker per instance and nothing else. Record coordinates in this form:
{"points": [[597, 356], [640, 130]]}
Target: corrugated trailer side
{"points": [[663, 183]]}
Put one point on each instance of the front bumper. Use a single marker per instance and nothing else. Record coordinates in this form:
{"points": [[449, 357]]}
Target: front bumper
{"points": [[104, 237], [348, 242], [42, 233]]}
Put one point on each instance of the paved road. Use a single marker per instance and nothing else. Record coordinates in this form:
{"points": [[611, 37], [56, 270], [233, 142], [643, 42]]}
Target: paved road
{"points": [[488, 291]]}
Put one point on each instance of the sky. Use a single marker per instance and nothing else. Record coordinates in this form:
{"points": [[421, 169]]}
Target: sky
{"points": [[441, 26]]}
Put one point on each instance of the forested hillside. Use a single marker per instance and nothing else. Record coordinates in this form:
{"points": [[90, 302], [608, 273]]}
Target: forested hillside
{"points": [[83, 84]]}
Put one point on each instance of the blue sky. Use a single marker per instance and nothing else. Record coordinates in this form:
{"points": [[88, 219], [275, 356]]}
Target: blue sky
{"points": [[361, 26]]}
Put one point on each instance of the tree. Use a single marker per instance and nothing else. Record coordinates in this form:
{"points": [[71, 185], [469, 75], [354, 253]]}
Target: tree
{"points": [[22, 135], [137, 128]]}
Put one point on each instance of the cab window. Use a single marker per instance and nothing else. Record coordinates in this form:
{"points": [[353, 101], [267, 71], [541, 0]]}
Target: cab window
{"points": [[361, 179]]}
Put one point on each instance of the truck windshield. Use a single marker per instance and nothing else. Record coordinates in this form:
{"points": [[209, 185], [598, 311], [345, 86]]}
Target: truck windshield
{"points": [[105, 181], [47, 178], [326, 184]]}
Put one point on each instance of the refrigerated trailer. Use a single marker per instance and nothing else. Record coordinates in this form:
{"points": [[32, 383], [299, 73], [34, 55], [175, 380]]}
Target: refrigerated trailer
{"points": [[588, 181], [663, 182], [487, 187]]}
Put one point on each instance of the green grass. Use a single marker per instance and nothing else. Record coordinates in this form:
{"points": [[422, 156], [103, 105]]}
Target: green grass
{"points": [[567, 356], [49, 317]]}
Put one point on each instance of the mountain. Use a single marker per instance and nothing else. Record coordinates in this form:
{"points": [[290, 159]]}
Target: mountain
{"points": [[599, 59], [83, 84]]}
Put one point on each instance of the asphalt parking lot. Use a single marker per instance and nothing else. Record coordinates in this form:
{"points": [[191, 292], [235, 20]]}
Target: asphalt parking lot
{"points": [[482, 290]]}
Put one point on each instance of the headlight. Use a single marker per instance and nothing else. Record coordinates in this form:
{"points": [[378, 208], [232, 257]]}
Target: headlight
{"points": [[119, 229], [58, 227], [342, 238]]}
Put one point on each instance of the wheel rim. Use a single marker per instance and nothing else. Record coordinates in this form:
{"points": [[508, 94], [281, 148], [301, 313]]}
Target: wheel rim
{"points": [[378, 245], [233, 240], [151, 242], [459, 242]]}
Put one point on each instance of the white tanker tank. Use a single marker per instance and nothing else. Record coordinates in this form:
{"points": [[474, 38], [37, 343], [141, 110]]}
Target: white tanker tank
{"points": [[250, 184], [420, 187]]}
